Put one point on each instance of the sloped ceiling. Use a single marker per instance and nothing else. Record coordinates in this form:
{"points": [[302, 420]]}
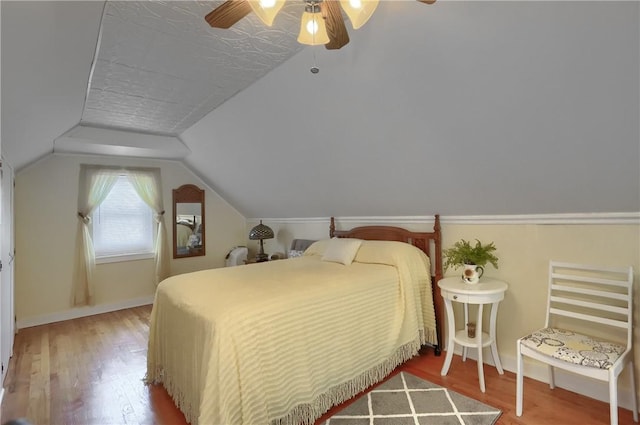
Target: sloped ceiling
{"points": [[47, 49], [460, 108]]}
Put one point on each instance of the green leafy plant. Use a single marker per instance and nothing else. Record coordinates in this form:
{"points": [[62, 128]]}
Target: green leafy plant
{"points": [[463, 252]]}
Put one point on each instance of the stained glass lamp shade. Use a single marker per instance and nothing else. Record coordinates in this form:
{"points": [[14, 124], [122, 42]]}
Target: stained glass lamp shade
{"points": [[259, 233]]}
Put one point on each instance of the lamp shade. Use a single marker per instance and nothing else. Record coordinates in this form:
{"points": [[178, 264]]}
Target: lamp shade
{"points": [[313, 30], [266, 9], [359, 11], [261, 231]]}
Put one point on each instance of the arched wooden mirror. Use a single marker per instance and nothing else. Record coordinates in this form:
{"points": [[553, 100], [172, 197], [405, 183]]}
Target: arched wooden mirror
{"points": [[188, 221]]}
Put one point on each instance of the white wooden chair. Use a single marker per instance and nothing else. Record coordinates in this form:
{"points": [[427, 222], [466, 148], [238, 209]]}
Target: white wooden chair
{"points": [[599, 299]]}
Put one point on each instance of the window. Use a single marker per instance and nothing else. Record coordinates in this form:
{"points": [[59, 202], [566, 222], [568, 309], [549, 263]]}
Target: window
{"points": [[123, 225]]}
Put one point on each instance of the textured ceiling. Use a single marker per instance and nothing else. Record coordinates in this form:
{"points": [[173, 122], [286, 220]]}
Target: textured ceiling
{"points": [[160, 67]]}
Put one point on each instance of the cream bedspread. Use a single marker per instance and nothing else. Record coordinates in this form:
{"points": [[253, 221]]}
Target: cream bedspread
{"points": [[283, 341]]}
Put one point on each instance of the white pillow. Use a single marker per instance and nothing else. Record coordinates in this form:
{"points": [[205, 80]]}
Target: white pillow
{"points": [[295, 253], [342, 250]]}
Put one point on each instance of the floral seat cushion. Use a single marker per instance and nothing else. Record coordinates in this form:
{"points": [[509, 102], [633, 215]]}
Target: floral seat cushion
{"points": [[574, 348]]}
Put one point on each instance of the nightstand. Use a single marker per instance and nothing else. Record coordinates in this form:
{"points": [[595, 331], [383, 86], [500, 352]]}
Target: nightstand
{"points": [[487, 291], [254, 260]]}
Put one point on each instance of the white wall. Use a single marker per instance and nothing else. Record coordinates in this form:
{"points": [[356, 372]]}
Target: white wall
{"points": [[46, 198], [524, 247]]}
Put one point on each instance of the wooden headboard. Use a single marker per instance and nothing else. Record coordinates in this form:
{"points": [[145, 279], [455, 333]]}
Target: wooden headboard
{"points": [[422, 240]]}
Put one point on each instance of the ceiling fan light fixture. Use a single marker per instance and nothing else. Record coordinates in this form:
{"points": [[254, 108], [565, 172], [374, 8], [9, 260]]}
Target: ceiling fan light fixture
{"points": [[266, 9], [313, 30], [359, 11]]}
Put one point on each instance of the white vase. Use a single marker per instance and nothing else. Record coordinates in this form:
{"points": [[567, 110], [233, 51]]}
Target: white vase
{"points": [[471, 273]]}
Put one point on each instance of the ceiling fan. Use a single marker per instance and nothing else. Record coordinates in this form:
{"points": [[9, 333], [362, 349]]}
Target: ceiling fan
{"points": [[322, 21]]}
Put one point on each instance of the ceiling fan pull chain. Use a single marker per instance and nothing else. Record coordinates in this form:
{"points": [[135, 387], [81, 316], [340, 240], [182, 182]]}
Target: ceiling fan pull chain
{"points": [[314, 69]]}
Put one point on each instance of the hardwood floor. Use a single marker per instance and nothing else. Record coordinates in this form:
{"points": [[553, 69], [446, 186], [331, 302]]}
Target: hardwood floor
{"points": [[90, 371]]}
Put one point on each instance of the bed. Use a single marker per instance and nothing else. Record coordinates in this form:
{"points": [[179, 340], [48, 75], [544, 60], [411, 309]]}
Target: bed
{"points": [[281, 342]]}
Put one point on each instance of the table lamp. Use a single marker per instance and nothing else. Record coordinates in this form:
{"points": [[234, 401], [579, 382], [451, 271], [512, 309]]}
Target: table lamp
{"points": [[259, 233]]}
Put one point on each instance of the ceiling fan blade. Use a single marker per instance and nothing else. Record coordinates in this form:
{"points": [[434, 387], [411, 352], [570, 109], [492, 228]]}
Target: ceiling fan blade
{"points": [[228, 13], [334, 21], [427, 1]]}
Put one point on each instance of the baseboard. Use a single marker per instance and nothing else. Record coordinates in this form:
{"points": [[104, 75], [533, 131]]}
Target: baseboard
{"points": [[78, 312], [587, 387]]}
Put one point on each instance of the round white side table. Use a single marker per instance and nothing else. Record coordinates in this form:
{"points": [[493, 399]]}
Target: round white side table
{"points": [[487, 291]]}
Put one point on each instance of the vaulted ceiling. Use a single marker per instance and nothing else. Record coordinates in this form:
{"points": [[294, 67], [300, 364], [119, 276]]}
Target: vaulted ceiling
{"points": [[461, 108]]}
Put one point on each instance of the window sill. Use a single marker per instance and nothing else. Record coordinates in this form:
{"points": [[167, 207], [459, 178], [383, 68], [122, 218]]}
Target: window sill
{"points": [[123, 258]]}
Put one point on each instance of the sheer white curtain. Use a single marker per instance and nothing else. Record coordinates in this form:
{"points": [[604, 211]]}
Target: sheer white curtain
{"points": [[95, 185], [147, 184]]}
